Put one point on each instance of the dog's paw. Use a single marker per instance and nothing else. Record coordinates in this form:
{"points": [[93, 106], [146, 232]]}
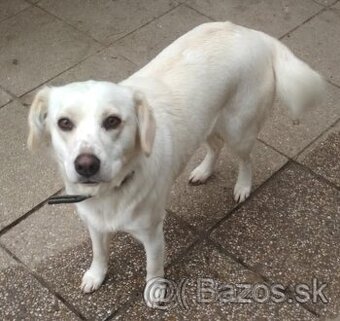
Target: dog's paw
{"points": [[91, 281], [241, 192], [199, 175]]}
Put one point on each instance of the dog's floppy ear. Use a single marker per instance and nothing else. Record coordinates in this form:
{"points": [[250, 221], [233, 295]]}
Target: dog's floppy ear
{"points": [[146, 123], [37, 119]]}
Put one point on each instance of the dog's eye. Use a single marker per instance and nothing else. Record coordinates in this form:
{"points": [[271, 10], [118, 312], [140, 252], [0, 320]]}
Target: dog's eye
{"points": [[111, 122], [65, 124]]}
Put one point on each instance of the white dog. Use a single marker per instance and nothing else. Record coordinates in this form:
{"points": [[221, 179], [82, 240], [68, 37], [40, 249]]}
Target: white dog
{"points": [[126, 143]]}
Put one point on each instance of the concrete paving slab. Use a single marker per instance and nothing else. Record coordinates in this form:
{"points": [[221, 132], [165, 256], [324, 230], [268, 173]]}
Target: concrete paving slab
{"points": [[25, 182], [53, 242], [325, 3], [24, 298], [4, 98], [323, 157], [203, 275], [9, 8], [108, 20], [106, 65], [204, 205], [280, 132], [35, 47], [273, 17], [144, 44], [316, 42], [290, 232]]}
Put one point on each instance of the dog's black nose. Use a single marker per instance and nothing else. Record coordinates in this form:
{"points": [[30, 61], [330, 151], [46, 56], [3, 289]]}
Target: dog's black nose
{"points": [[87, 165]]}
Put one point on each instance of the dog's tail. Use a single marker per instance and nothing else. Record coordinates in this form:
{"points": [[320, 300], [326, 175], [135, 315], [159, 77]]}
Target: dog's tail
{"points": [[297, 85]]}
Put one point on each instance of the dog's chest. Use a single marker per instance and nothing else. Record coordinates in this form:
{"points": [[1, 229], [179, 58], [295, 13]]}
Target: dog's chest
{"points": [[106, 215]]}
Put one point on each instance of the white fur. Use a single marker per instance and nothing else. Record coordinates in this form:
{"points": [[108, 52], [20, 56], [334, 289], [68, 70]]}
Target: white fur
{"points": [[215, 84]]}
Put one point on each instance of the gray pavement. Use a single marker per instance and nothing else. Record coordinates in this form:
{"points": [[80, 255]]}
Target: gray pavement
{"points": [[287, 233]]}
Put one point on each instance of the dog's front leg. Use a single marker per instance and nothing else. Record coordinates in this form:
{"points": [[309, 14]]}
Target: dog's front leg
{"points": [[153, 241], [95, 275]]}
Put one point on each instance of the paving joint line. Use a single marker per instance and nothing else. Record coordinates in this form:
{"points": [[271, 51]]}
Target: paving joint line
{"points": [[6, 104], [13, 97], [296, 156], [23, 217], [10, 17], [36, 5], [303, 23], [8, 92], [204, 234], [274, 148], [253, 194], [197, 11], [176, 260], [43, 283], [324, 5], [145, 24], [323, 8], [131, 301], [319, 177], [317, 138], [333, 83], [126, 305], [267, 280], [100, 50]]}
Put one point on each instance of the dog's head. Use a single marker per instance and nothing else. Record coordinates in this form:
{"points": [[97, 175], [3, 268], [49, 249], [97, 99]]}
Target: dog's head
{"points": [[94, 128]]}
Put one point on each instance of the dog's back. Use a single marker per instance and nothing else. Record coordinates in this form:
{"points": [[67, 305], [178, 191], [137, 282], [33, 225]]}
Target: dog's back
{"points": [[224, 68]]}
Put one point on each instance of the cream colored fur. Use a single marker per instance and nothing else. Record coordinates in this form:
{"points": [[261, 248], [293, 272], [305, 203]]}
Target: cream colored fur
{"points": [[214, 84]]}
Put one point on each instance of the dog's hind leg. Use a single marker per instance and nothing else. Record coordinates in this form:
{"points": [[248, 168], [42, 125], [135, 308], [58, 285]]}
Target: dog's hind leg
{"points": [[241, 137], [204, 170], [244, 179]]}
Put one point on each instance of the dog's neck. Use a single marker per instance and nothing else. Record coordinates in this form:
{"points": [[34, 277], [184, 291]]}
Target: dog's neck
{"points": [[126, 180]]}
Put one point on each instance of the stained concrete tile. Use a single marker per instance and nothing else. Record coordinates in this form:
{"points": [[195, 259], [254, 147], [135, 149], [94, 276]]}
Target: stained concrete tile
{"points": [[128, 251], [23, 298], [280, 132], [323, 157], [46, 234], [316, 42], [325, 2], [202, 206], [290, 232], [273, 17], [54, 243], [145, 43], [36, 47], [4, 98], [204, 273], [106, 65], [9, 8], [108, 20], [25, 182]]}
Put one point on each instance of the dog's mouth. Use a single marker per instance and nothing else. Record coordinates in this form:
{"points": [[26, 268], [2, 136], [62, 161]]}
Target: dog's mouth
{"points": [[90, 182]]}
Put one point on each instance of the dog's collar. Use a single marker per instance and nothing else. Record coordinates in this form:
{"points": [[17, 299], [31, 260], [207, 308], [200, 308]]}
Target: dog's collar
{"points": [[79, 198]]}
